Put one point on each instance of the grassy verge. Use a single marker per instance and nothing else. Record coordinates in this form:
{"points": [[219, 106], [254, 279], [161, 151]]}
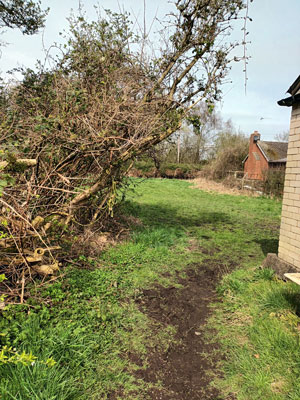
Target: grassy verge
{"points": [[90, 324], [259, 328]]}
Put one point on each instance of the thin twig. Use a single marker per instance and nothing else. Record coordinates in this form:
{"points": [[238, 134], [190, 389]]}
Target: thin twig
{"points": [[27, 222], [23, 286]]}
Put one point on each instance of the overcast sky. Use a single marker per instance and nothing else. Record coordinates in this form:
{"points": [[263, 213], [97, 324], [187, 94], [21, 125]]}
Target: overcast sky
{"points": [[274, 50]]}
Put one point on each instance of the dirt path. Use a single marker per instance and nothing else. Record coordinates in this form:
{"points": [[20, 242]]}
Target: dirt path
{"points": [[185, 370]]}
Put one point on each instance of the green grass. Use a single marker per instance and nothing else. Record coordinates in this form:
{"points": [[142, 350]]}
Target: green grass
{"points": [[258, 325], [91, 326]]}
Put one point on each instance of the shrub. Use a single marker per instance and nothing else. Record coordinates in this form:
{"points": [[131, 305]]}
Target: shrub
{"points": [[228, 158], [166, 170], [273, 182]]}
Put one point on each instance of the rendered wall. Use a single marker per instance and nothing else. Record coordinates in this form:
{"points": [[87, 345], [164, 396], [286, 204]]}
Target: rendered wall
{"points": [[289, 241]]}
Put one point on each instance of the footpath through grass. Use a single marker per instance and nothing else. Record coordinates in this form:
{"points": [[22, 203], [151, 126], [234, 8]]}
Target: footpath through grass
{"points": [[90, 330]]}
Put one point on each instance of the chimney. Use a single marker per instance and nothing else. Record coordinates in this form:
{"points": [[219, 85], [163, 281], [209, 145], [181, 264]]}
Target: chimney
{"points": [[254, 138]]}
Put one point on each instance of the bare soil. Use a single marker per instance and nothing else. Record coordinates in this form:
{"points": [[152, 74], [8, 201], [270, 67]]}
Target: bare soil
{"points": [[186, 369]]}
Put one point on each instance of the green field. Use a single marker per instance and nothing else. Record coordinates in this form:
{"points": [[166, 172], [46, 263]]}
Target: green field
{"points": [[89, 321]]}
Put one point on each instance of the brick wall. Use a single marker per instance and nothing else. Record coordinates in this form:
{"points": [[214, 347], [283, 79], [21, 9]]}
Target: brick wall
{"points": [[289, 242], [256, 164]]}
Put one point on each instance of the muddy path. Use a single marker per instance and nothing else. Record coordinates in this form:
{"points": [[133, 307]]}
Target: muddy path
{"points": [[185, 370]]}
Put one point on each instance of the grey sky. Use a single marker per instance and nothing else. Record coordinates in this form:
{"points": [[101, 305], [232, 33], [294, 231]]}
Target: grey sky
{"points": [[273, 66]]}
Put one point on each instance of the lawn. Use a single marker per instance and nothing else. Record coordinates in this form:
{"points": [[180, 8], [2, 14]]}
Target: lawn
{"points": [[90, 336]]}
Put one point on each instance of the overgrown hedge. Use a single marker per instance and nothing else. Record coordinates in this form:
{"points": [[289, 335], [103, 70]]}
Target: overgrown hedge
{"points": [[274, 181], [147, 169]]}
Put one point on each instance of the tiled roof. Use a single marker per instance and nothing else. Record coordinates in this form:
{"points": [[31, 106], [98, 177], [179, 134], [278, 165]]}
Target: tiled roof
{"points": [[274, 151]]}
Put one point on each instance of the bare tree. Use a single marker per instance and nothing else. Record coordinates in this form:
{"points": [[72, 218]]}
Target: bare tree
{"points": [[205, 122], [282, 136]]}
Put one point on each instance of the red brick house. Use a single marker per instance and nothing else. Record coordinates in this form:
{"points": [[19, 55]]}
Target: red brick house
{"points": [[264, 156]]}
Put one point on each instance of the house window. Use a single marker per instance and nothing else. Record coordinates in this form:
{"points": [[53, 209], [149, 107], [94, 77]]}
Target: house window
{"points": [[256, 156]]}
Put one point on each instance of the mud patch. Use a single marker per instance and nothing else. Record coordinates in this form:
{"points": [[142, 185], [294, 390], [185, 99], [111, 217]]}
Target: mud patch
{"points": [[185, 369]]}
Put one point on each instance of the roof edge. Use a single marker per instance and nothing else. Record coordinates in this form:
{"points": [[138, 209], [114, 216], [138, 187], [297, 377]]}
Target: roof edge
{"points": [[245, 159], [289, 101], [293, 89], [264, 154], [281, 160]]}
